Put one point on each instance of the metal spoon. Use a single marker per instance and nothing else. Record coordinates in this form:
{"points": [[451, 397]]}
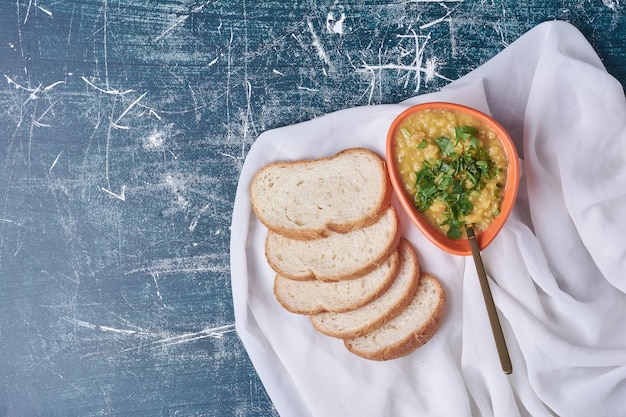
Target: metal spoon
{"points": [[496, 328]]}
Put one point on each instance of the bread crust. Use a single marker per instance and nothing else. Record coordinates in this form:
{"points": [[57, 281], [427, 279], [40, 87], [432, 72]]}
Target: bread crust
{"points": [[415, 339], [330, 227]]}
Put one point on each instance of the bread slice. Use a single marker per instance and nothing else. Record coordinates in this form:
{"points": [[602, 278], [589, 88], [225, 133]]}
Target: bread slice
{"points": [[311, 199], [407, 331], [315, 296], [336, 257], [382, 309]]}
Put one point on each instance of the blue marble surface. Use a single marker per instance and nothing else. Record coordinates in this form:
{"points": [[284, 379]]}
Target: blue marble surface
{"points": [[123, 128]]}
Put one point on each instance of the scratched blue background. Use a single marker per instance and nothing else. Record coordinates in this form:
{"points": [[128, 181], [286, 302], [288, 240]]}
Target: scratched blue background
{"points": [[123, 128]]}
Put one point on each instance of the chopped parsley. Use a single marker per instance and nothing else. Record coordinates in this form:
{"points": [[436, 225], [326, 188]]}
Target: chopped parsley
{"points": [[454, 178]]}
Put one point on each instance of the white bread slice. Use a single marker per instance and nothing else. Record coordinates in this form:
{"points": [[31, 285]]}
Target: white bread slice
{"points": [[407, 331], [315, 296], [338, 256], [309, 199], [372, 315]]}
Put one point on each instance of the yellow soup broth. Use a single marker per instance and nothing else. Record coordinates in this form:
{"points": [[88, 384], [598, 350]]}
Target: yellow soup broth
{"points": [[433, 147]]}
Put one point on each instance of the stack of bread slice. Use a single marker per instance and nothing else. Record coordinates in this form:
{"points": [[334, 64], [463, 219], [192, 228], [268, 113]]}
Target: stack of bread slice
{"points": [[334, 240]]}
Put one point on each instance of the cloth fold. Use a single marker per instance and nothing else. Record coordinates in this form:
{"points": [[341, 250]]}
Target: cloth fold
{"points": [[557, 269]]}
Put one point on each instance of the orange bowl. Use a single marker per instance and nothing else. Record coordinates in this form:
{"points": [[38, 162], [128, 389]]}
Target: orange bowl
{"points": [[455, 246]]}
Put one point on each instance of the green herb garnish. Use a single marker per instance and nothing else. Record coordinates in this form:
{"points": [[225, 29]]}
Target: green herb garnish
{"points": [[405, 132], [446, 146], [461, 172]]}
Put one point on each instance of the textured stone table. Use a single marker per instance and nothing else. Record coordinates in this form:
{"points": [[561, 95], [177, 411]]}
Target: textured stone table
{"points": [[123, 127]]}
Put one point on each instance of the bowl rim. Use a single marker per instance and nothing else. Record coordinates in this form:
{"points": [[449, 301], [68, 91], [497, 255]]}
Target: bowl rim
{"points": [[455, 246]]}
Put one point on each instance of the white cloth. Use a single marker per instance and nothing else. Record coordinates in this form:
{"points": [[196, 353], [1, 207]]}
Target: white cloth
{"points": [[557, 269]]}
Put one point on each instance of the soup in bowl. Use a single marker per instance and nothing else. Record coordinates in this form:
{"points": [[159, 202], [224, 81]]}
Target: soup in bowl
{"points": [[452, 166]]}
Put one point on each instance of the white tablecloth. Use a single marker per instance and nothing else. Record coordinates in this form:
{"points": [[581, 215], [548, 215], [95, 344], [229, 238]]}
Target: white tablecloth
{"points": [[557, 269]]}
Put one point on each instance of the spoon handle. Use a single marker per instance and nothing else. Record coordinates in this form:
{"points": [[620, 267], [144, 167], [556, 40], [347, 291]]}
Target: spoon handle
{"points": [[496, 328]]}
